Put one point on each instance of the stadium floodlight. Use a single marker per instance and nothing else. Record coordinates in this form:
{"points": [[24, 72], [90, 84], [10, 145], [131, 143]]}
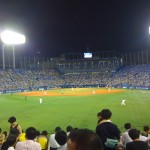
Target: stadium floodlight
{"points": [[11, 38]]}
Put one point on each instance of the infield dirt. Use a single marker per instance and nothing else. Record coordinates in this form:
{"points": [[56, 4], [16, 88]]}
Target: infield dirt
{"points": [[74, 92]]}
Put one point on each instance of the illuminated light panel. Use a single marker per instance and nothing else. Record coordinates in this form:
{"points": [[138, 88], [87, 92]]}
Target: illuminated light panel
{"points": [[10, 37]]}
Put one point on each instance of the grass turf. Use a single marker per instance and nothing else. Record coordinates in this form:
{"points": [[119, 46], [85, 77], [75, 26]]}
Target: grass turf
{"points": [[77, 111]]}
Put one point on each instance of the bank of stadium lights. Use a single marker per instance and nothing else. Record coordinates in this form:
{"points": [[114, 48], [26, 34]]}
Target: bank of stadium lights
{"points": [[11, 38]]}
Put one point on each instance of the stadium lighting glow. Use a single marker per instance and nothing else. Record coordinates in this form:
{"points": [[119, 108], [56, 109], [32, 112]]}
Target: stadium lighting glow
{"points": [[12, 38]]}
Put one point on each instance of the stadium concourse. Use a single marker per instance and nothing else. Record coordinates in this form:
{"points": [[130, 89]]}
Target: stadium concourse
{"points": [[18, 80]]}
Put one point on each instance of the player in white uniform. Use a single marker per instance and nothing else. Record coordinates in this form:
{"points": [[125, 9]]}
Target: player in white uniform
{"points": [[40, 100], [45, 93], [93, 92], [123, 102]]}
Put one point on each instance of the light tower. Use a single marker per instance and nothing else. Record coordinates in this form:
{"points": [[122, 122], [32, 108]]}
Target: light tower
{"points": [[11, 38]]}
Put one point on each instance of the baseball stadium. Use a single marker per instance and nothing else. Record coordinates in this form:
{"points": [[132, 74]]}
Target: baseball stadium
{"points": [[74, 75], [71, 90]]}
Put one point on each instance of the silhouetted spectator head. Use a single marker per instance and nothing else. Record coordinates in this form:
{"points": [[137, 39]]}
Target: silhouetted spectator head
{"points": [[57, 129], [146, 129], [12, 119], [61, 137], [44, 133], [69, 128], [134, 134], [127, 126], [31, 133], [37, 132], [11, 139], [83, 139], [5, 133], [106, 114], [99, 114]]}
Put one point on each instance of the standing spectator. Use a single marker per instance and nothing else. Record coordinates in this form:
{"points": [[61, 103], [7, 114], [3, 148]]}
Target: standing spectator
{"points": [[29, 144], [125, 136], [15, 128], [107, 130], [136, 144], [83, 139]]}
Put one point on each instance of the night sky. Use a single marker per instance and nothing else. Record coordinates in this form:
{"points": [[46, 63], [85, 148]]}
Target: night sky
{"points": [[54, 27]]}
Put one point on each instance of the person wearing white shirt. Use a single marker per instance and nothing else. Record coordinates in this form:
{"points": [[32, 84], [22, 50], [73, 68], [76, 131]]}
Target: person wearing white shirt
{"points": [[123, 102], [125, 136], [61, 138], [52, 144]]}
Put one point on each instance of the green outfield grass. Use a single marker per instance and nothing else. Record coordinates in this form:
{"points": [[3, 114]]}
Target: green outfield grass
{"points": [[77, 111]]}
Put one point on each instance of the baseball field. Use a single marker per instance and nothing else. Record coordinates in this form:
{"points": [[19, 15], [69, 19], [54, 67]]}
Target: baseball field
{"points": [[77, 107]]}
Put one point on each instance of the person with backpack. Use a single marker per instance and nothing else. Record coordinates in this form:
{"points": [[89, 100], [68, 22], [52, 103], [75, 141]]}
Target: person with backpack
{"points": [[108, 131]]}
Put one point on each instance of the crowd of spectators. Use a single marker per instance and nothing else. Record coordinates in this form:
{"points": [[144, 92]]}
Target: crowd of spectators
{"points": [[131, 76], [106, 136]]}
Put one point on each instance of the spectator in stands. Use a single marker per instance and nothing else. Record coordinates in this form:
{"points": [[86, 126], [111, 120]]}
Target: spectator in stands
{"points": [[136, 144], [147, 130], [125, 136], [37, 134], [61, 138], [5, 133], [83, 139], [52, 144], [69, 129], [106, 129], [142, 137], [43, 140], [10, 142], [29, 144], [99, 117], [22, 136], [15, 128], [2, 137]]}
